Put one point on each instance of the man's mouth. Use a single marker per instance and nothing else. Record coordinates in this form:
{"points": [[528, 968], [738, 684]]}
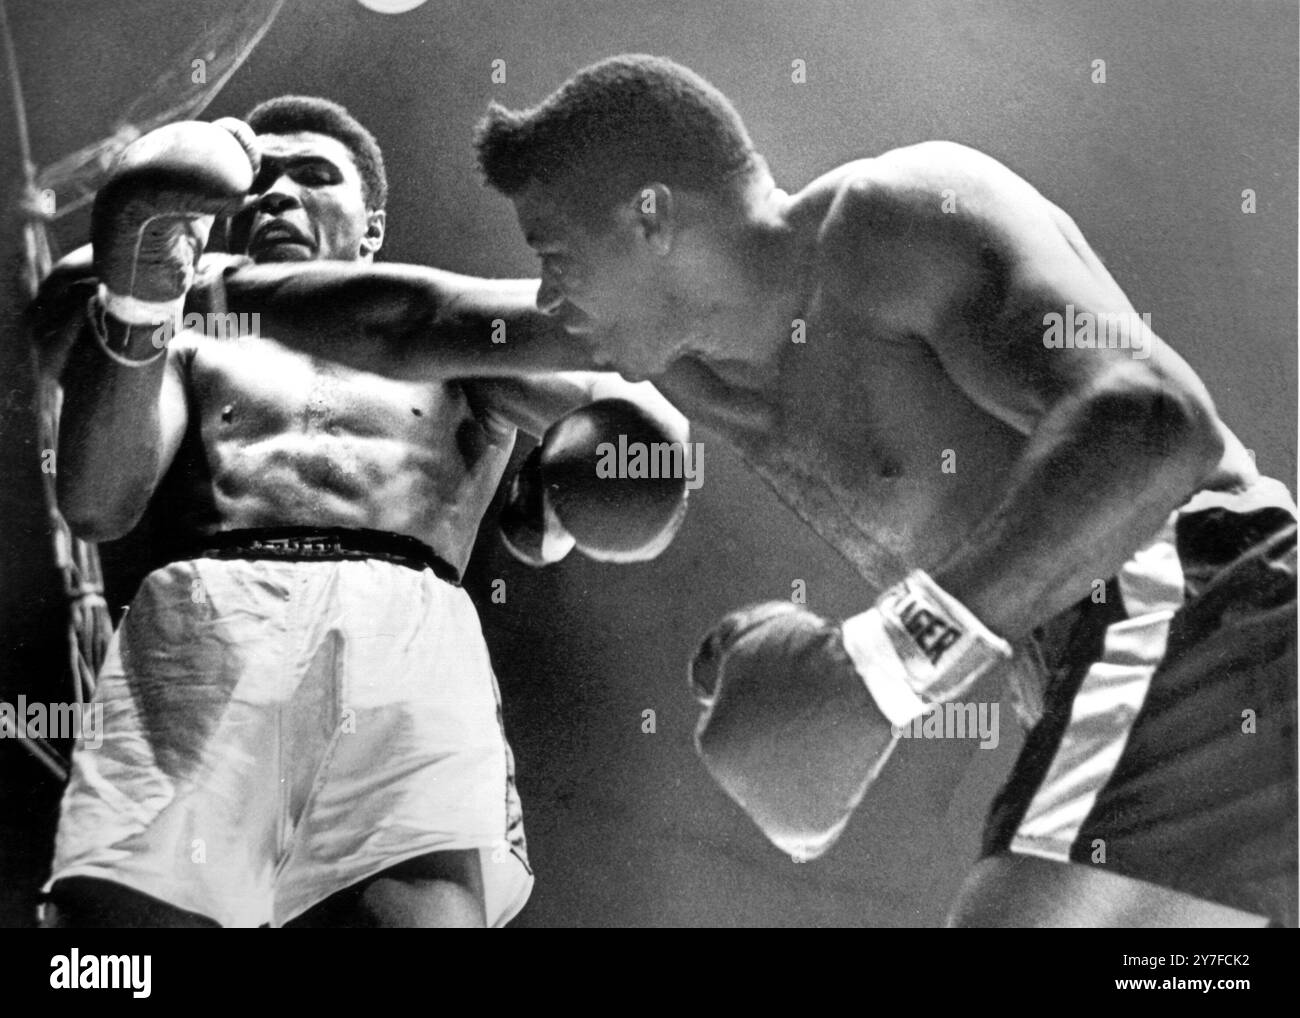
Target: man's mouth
{"points": [[275, 235], [575, 322]]}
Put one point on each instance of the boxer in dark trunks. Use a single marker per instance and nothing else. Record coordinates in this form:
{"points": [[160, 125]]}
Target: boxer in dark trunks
{"points": [[925, 359]]}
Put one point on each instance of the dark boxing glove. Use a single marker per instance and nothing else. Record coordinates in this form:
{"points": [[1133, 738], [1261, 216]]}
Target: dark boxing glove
{"points": [[606, 479], [152, 218], [528, 524]]}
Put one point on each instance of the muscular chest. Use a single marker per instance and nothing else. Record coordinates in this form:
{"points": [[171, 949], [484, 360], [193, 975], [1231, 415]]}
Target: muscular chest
{"points": [[254, 388], [873, 445]]}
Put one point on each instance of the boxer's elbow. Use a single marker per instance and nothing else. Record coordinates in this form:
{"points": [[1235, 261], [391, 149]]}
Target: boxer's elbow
{"points": [[97, 526], [96, 513], [1168, 429]]}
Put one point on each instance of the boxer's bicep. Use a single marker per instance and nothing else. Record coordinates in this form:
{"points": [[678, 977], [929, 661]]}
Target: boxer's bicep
{"points": [[1112, 444], [534, 402], [119, 429], [366, 317], [405, 321], [945, 244], [1046, 331], [1117, 429], [173, 406], [492, 327]]}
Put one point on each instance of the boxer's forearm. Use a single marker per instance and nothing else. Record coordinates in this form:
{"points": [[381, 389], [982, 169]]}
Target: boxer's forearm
{"points": [[112, 447], [1098, 478], [405, 321]]}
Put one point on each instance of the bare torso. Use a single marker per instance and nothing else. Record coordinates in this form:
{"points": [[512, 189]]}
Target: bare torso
{"points": [[862, 432], [895, 477], [279, 438], [872, 445]]}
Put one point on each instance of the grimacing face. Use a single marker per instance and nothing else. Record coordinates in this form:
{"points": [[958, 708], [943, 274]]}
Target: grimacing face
{"points": [[598, 282], [312, 206]]}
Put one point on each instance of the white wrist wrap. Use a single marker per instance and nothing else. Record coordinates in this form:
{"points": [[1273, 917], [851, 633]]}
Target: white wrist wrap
{"points": [[133, 311], [919, 646]]}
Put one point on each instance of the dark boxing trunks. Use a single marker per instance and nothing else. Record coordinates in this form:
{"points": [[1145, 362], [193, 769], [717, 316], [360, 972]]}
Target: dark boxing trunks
{"points": [[1167, 745]]}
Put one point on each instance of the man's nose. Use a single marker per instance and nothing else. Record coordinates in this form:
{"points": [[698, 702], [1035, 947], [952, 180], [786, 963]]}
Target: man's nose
{"points": [[549, 297], [278, 198]]}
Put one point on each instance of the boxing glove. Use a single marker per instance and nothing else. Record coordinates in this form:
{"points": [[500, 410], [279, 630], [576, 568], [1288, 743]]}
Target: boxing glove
{"points": [[575, 489], [152, 218], [800, 714], [527, 524], [615, 481]]}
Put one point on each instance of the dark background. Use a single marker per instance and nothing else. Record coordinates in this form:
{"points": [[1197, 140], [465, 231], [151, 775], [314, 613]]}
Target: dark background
{"points": [[625, 828]]}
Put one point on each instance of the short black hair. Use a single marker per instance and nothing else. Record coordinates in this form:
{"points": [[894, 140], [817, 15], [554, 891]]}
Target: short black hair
{"points": [[614, 126], [289, 114]]}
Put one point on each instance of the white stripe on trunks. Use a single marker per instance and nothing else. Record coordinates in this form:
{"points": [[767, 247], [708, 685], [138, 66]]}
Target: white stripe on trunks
{"points": [[1107, 704]]}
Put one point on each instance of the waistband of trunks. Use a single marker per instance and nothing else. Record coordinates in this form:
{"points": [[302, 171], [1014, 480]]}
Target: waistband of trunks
{"points": [[1261, 493], [1211, 530], [327, 544]]}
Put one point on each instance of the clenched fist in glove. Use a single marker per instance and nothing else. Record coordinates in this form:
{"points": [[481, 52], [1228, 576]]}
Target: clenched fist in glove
{"points": [[569, 491], [800, 713], [151, 222]]}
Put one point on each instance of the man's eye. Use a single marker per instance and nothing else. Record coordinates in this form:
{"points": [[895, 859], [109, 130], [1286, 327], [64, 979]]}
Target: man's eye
{"points": [[313, 176]]}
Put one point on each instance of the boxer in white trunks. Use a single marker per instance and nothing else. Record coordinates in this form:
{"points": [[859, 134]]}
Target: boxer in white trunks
{"points": [[302, 726]]}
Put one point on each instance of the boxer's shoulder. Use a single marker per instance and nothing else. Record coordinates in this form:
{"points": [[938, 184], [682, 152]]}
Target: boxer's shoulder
{"points": [[903, 234], [938, 190], [884, 243]]}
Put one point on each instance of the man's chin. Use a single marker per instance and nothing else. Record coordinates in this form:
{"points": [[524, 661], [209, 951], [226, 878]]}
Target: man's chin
{"points": [[283, 253], [632, 371]]}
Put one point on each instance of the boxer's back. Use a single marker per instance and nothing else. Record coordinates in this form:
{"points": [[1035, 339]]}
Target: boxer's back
{"points": [[278, 438]]}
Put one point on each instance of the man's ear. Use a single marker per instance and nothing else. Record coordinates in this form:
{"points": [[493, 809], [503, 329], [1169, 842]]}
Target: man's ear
{"points": [[653, 213], [373, 239]]}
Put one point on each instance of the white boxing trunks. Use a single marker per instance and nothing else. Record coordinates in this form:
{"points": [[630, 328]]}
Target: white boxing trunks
{"points": [[277, 731]]}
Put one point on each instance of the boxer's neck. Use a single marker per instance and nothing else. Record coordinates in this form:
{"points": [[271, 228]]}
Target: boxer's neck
{"points": [[745, 281]]}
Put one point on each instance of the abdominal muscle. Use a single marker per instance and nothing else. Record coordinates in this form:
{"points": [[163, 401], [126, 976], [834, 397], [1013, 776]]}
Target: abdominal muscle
{"points": [[276, 438]]}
